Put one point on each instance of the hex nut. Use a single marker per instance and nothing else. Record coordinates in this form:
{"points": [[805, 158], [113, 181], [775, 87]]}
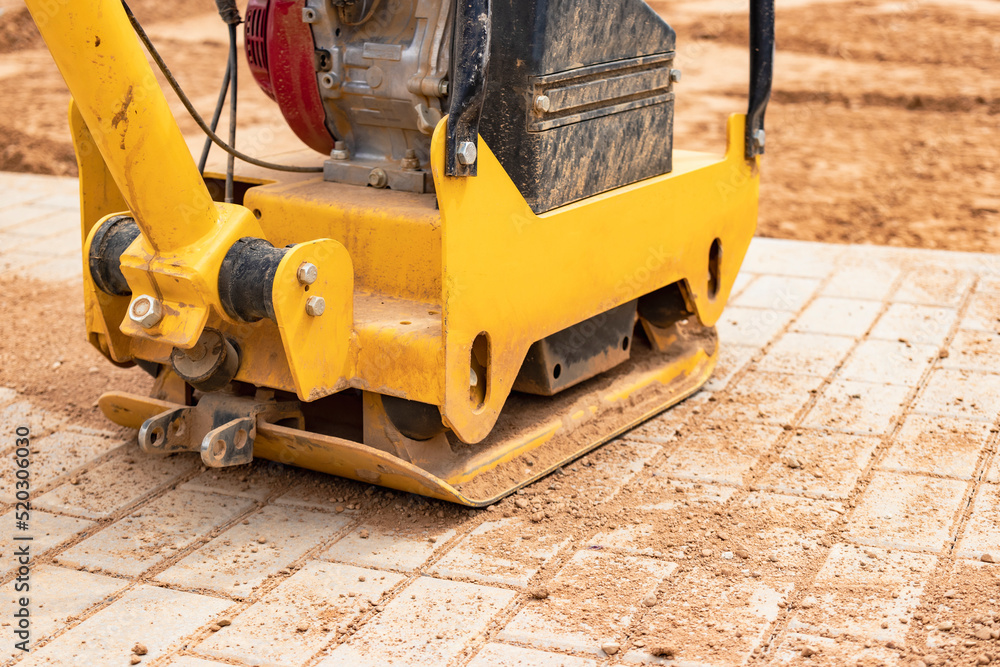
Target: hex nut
{"points": [[315, 306], [759, 137], [307, 273], [467, 153], [543, 104], [146, 311], [377, 178], [410, 161], [340, 151]]}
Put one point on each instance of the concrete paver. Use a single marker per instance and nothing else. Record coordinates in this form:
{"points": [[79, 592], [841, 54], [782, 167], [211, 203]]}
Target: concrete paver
{"points": [[847, 439], [298, 618], [242, 558], [153, 533], [612, 588], [156, 617], [440, 618]]}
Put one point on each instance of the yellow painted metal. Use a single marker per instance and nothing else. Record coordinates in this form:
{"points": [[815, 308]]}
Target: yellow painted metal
{"points": [[118, 97], [316, 347], [518, 277]]}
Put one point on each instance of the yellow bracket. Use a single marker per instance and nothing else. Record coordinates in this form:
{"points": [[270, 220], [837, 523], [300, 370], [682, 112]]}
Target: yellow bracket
{"points": [[316, 347]]}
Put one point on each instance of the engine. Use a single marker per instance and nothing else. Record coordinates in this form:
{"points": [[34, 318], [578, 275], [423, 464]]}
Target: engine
{"points": [[569, 110]]}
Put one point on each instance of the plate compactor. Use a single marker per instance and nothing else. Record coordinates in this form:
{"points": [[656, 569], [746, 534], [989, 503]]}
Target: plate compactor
{"points": [[498, 262]]}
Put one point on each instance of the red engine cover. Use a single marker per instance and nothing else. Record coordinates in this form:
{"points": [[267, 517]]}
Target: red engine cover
{"points": [[281, 53]]}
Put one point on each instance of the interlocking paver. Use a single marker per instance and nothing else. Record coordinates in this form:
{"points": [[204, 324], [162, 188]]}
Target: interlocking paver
{"points": [[961, 394], [299, 617], [889, 362], [861, 589], [983, 313], [829, 652], [874, 281], [790, 532], [820, 464], [770, 398], [982, 530], [777, 293], [236, 562], [605, 471], [732, 359], [505, 655], [751, 326], [56, 455], [154, 532], [7, 396], [970, 592], [190, 661], [934, 288], [46, 530], [838, 316], [722, 452], [907, 511], [23, 413], [156, 617], [428, 623], [62, 595], [258, 481], [917, 324], [812, 260], [403, 547], [806, 354], [594, 597], [732, 616], [937, 445], [974, 350], [857, 407], [507, 551], [660, 493], [120, 481]]}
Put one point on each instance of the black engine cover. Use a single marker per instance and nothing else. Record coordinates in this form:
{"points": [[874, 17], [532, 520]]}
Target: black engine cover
{"points": [[579, 96]]}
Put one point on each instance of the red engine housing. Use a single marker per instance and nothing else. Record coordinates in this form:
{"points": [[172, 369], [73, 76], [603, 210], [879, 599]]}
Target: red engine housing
{"points": [[281, 54]]}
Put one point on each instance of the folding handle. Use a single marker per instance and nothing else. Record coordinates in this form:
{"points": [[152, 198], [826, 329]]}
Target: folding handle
{"points": [[761, 73]]}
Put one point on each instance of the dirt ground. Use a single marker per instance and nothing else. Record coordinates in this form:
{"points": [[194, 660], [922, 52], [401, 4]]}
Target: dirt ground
{"points": [[883, 126]]}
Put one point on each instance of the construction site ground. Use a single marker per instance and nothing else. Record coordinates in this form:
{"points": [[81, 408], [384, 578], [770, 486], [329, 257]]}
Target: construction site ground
{"points": [[831, 497]]}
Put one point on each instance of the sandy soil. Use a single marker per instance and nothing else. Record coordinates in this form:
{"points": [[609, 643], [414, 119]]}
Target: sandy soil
{"points": [[882, 128]]}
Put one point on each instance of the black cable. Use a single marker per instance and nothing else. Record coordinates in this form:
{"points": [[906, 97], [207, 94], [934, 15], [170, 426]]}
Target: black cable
{"points": [[144, 38], [219, 106], [234, 70]]}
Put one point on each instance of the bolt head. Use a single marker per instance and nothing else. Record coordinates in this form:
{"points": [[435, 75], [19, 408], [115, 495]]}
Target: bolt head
{"points": [[675, 75], [315, 306], [467, 153], [307, 273], [377, 178], [146, 311], [759, 138], [543, 104], [340, 151]]}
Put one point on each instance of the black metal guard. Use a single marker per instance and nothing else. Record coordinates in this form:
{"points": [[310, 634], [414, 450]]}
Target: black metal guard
{"points": [[761, 73], [470, 58]]}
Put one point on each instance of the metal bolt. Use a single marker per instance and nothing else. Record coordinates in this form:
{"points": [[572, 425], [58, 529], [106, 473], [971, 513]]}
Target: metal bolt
{"points": [[443, 88], [377, 178], [675, 75], [467, 153], [473, 377], [543, 104], [146, 311], [308, 15], [410, 162], [340, 151], [759, 136], [307, 273], [315, 306]]}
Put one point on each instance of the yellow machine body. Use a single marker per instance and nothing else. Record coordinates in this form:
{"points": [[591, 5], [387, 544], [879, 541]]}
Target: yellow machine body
{"points": [[435, 300]]}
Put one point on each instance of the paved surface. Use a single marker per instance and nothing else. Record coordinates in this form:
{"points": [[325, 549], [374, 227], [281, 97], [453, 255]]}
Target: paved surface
{"points": [[859, 388]]}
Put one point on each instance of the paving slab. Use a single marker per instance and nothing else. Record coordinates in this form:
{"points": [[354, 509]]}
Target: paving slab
{"points": [[720, 451], [821, 464], [769, 398], [974, 350], [907, 511], [917, 324], [865, 408], [242, 558], [777, 293], [403, 548], [806, 354], [505, 655], [815, 651], [156, 617], [838, 316], [298, 618], [983, 313], [430, 622], [55, 456], [45, 530], [62, 595], [982, 530], [592, 599], [753, 327], [961, 393], [931, 445], [153, 533]]}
